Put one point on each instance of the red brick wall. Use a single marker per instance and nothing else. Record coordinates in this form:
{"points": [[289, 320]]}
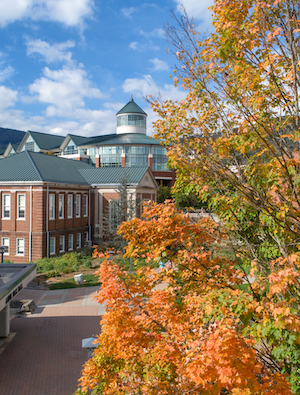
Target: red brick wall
{"points": [[14, 228]]}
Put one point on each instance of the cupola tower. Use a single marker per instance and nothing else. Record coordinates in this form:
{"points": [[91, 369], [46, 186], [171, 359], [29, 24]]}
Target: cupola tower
{"points": [[131, 119]]}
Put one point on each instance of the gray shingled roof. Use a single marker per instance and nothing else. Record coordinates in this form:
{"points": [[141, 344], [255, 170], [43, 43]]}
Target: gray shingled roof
{"points": [[131, 107], [47, 141], [119, 139], [34, 166], [113, 175]]}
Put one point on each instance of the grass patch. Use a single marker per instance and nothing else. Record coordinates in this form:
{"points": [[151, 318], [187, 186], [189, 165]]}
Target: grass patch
{"points": [[90, 280]]}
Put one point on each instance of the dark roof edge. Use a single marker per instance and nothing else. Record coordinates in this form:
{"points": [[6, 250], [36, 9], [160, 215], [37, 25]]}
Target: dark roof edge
{"points": [[35, 166]]}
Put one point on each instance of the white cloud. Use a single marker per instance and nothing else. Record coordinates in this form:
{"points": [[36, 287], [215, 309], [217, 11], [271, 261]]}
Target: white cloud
{"points": [[51, 53], [197, 9], [143, 47], [64, 90], [128, 11], [70, 13], [159, 65], [159, 33], [8, 97], [134, 45], [6, 72]]}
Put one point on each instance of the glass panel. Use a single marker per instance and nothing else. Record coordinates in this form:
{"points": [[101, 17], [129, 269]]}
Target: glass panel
{"points": [[131, 119], [136, 156], [29, 146], [110, 156]]}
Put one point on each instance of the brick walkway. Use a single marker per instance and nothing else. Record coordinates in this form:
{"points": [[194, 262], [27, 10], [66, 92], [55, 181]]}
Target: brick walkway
{"points": [[45, 356]]}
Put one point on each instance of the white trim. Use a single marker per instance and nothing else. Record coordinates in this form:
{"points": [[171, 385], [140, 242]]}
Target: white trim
{"points": [[52, 252], [71, 206], [3, 245], [52, 203], [72, 248], [62, 237], [61, 195], [3, 210], [18, 207], [78, 205], [17, 247]]}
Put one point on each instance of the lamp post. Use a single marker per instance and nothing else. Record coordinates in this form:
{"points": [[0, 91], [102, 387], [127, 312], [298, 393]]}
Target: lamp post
{"points": [[2, 250]]}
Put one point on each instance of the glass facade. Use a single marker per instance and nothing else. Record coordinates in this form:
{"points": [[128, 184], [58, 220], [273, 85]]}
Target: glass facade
{"points": [[92, 152], [71, 149], [110, 156], [136, 156], [159, 158], [131, 119]]}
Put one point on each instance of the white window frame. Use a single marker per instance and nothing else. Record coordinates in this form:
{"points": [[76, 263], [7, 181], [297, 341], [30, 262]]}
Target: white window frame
{"points": [[21, 207], [51, 205], [52, 245], [78, 240], [6, 245], [61, 206], [62, 243], [19, 246], [70, 206], [5, 206], [70, 242], [78, 204], [85, 205]]}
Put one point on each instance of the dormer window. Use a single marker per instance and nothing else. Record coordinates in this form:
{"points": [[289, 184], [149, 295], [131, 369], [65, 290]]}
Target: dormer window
{"points": [[29, 146]]}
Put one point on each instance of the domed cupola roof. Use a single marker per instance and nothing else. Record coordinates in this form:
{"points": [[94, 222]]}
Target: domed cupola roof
{"points": [[131, 108]]}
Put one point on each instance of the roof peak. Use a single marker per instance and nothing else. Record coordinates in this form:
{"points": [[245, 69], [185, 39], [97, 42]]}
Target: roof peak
{"points": [[131, 107]]}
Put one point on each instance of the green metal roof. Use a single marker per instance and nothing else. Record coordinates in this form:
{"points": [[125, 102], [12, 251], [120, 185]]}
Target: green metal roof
{"points": [[35, 166], [113, 175], [78, 140], [119, 139], [131, 107], [47, 141]]}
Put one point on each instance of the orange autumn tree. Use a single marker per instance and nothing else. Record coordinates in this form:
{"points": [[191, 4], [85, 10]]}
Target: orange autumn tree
{"points": [[181, 330], [219, 326]]}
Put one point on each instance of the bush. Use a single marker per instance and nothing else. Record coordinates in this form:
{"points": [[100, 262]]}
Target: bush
{"points": [[66, 263]]}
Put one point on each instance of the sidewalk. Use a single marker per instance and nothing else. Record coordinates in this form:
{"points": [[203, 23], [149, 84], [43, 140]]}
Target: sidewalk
{"points": [[45, 356]]}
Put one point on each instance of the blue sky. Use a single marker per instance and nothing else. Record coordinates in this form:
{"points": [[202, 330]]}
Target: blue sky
{"points": [[67, 66]]}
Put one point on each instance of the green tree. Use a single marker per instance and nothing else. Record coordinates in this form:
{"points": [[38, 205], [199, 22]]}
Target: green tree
{"points": [[163, 193]]}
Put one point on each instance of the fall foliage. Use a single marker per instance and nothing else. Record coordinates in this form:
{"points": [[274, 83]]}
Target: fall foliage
{"points": [[219, 325]]}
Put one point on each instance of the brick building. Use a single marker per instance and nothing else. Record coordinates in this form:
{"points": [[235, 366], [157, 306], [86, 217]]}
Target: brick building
{"points": [[50, 205]]}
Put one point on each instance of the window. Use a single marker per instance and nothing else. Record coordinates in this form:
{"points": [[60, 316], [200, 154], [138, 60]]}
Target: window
{"points": [[29, 146], [78, 201], [70, 206], [51, 206], [136, 156], [86, 238], [6, 206], [5, 244], [110, 156], [61, 243], [21, 206], [52, 245], [78, 240], [20, 246], [61, 206], [70, 149], [85, 205], [159, 158], [70, 246], [130, 119]]}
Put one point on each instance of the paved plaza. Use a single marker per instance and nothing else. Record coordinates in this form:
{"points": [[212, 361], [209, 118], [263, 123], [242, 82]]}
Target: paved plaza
{"points": [[44, 355]]}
